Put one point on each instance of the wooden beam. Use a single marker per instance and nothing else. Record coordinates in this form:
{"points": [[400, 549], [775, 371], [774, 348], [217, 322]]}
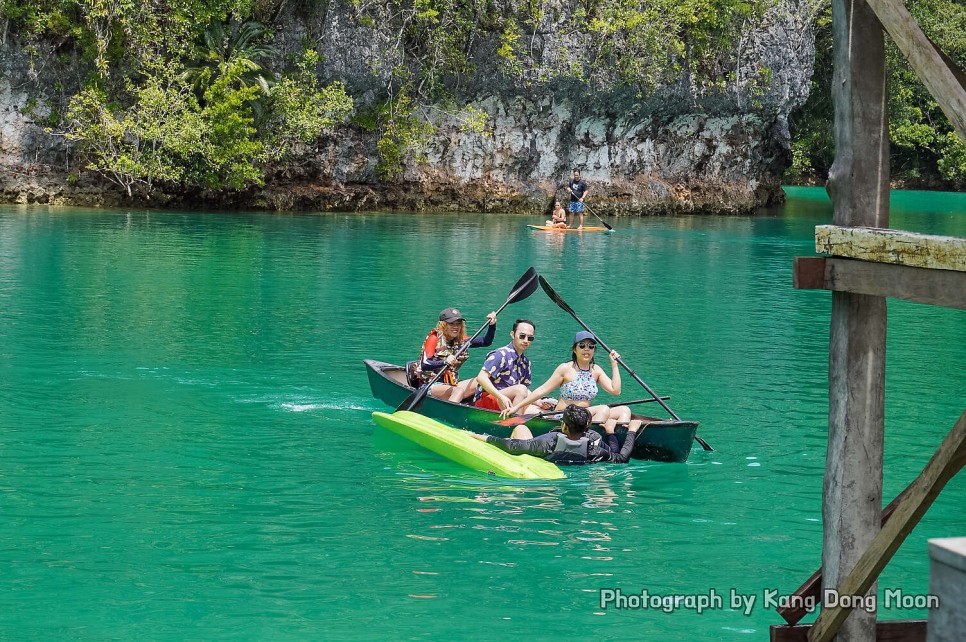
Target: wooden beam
{"points": [[892, 246], [948, 460], [888, 631], [859, 186], [926, 61], [934, 287], [944, 288]]}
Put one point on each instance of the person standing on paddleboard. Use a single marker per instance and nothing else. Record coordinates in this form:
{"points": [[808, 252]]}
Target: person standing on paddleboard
{"points": [[578, 192]]}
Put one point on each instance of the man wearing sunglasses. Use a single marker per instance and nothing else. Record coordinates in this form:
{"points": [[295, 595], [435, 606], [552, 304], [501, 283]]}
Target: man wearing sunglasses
{"points": [[505, 376]]}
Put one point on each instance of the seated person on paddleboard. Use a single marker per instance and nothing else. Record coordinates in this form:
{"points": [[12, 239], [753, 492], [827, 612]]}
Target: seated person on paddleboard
{"points": [[559, 217], [578, 380], [505, 376], [574, 443], [439, 350]]}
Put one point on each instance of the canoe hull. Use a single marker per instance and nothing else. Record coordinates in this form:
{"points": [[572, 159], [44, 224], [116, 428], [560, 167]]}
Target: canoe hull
{"points": [[659, 440]]}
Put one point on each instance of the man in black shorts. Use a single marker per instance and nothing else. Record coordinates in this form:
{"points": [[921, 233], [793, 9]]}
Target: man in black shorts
{"points": [[578, 190]]}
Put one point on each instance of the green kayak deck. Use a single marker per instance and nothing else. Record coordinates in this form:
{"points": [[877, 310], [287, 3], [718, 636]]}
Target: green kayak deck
{"points": [[463, 448]]}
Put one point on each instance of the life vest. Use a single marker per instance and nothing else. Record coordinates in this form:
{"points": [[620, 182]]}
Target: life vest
{"points": [[570, 452], [443, 350]]}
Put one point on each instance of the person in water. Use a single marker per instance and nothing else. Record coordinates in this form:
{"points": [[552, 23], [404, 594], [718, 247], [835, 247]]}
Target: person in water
{"points": [[578, 192], [439, 351], [579, 380], [505, 376], [559, 217], [574, 443]]}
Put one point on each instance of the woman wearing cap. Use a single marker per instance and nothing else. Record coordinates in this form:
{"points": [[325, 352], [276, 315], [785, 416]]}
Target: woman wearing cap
{"points": [[439, 350], [579, 380]]}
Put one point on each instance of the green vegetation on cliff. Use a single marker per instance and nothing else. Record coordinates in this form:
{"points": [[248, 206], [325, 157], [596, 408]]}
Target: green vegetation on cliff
{"points": [[176, 92], [194, 93]]}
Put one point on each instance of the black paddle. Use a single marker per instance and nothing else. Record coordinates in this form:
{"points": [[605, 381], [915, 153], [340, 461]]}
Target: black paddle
{"points": [[569, 310], [522, 419], [521, 290], [606, 224]]}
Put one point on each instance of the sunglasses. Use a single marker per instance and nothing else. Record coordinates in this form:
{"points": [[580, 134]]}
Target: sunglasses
{"points": [[525, 337], [587, 346]]}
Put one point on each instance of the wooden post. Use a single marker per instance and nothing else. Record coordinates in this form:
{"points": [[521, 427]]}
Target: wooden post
{"points": [[859, 187]]}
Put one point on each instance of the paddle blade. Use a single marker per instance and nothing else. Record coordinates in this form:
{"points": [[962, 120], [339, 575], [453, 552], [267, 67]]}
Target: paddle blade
{"points": [[526, 286], [555, 297], [703, 443]]}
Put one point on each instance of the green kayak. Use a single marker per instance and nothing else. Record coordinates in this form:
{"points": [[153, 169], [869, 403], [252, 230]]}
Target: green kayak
{"points": [[461, 447]]}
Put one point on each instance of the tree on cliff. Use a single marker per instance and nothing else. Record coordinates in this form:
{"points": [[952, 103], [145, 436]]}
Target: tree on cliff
{"points": [[136, 122], [158, 108], [924, 148]]}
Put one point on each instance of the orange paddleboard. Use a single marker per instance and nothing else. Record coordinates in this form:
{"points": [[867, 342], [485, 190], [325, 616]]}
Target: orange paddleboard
{"points": [[547, 228]]}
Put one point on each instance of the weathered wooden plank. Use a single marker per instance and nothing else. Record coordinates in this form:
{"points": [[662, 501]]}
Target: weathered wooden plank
{"points": [[948, 460], [852, 488], [936, 75], [888, 631], [892, 246], [947, 582], [858, 179]]}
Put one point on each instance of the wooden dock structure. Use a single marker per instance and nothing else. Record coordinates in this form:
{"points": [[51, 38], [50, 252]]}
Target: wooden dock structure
{"points": [[866, 263]]}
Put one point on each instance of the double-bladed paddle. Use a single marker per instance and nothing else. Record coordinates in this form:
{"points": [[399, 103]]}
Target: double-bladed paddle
{"points": [[521, 290], [556, 298]]}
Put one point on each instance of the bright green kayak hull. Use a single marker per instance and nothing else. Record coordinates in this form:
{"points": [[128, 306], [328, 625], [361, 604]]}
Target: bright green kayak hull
{"points": [[461, 447]]}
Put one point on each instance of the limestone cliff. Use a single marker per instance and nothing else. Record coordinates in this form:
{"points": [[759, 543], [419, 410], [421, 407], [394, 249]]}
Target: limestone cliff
{"points": [[674, 150]]}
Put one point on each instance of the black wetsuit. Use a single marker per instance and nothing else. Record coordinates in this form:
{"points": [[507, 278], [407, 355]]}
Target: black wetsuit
{"points": [[547, 447]]}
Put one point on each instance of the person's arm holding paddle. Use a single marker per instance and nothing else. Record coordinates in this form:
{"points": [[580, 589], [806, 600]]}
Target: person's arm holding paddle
{"points": [[523, 288], [554, 382], [611, 384], [465, 388]]}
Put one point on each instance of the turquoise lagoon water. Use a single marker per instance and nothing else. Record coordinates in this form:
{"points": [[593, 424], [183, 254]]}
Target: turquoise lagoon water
{"points": [[186, 448]]}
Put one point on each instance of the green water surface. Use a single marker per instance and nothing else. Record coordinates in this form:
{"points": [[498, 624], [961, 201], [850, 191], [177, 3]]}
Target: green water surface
{"points": [[187, 451]]}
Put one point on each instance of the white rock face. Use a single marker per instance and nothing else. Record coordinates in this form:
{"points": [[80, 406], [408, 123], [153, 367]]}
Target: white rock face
{"points": [[671, 151]]}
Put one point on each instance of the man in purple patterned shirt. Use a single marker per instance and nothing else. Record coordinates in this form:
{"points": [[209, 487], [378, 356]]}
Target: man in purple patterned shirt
{"points": [[505, 376]]}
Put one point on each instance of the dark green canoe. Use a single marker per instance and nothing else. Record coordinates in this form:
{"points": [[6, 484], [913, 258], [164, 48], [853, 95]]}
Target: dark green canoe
{"points": [[659, 440]]}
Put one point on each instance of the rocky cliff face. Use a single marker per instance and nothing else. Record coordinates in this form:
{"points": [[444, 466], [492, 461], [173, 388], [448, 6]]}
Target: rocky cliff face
{"points": [[671, 151]]}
